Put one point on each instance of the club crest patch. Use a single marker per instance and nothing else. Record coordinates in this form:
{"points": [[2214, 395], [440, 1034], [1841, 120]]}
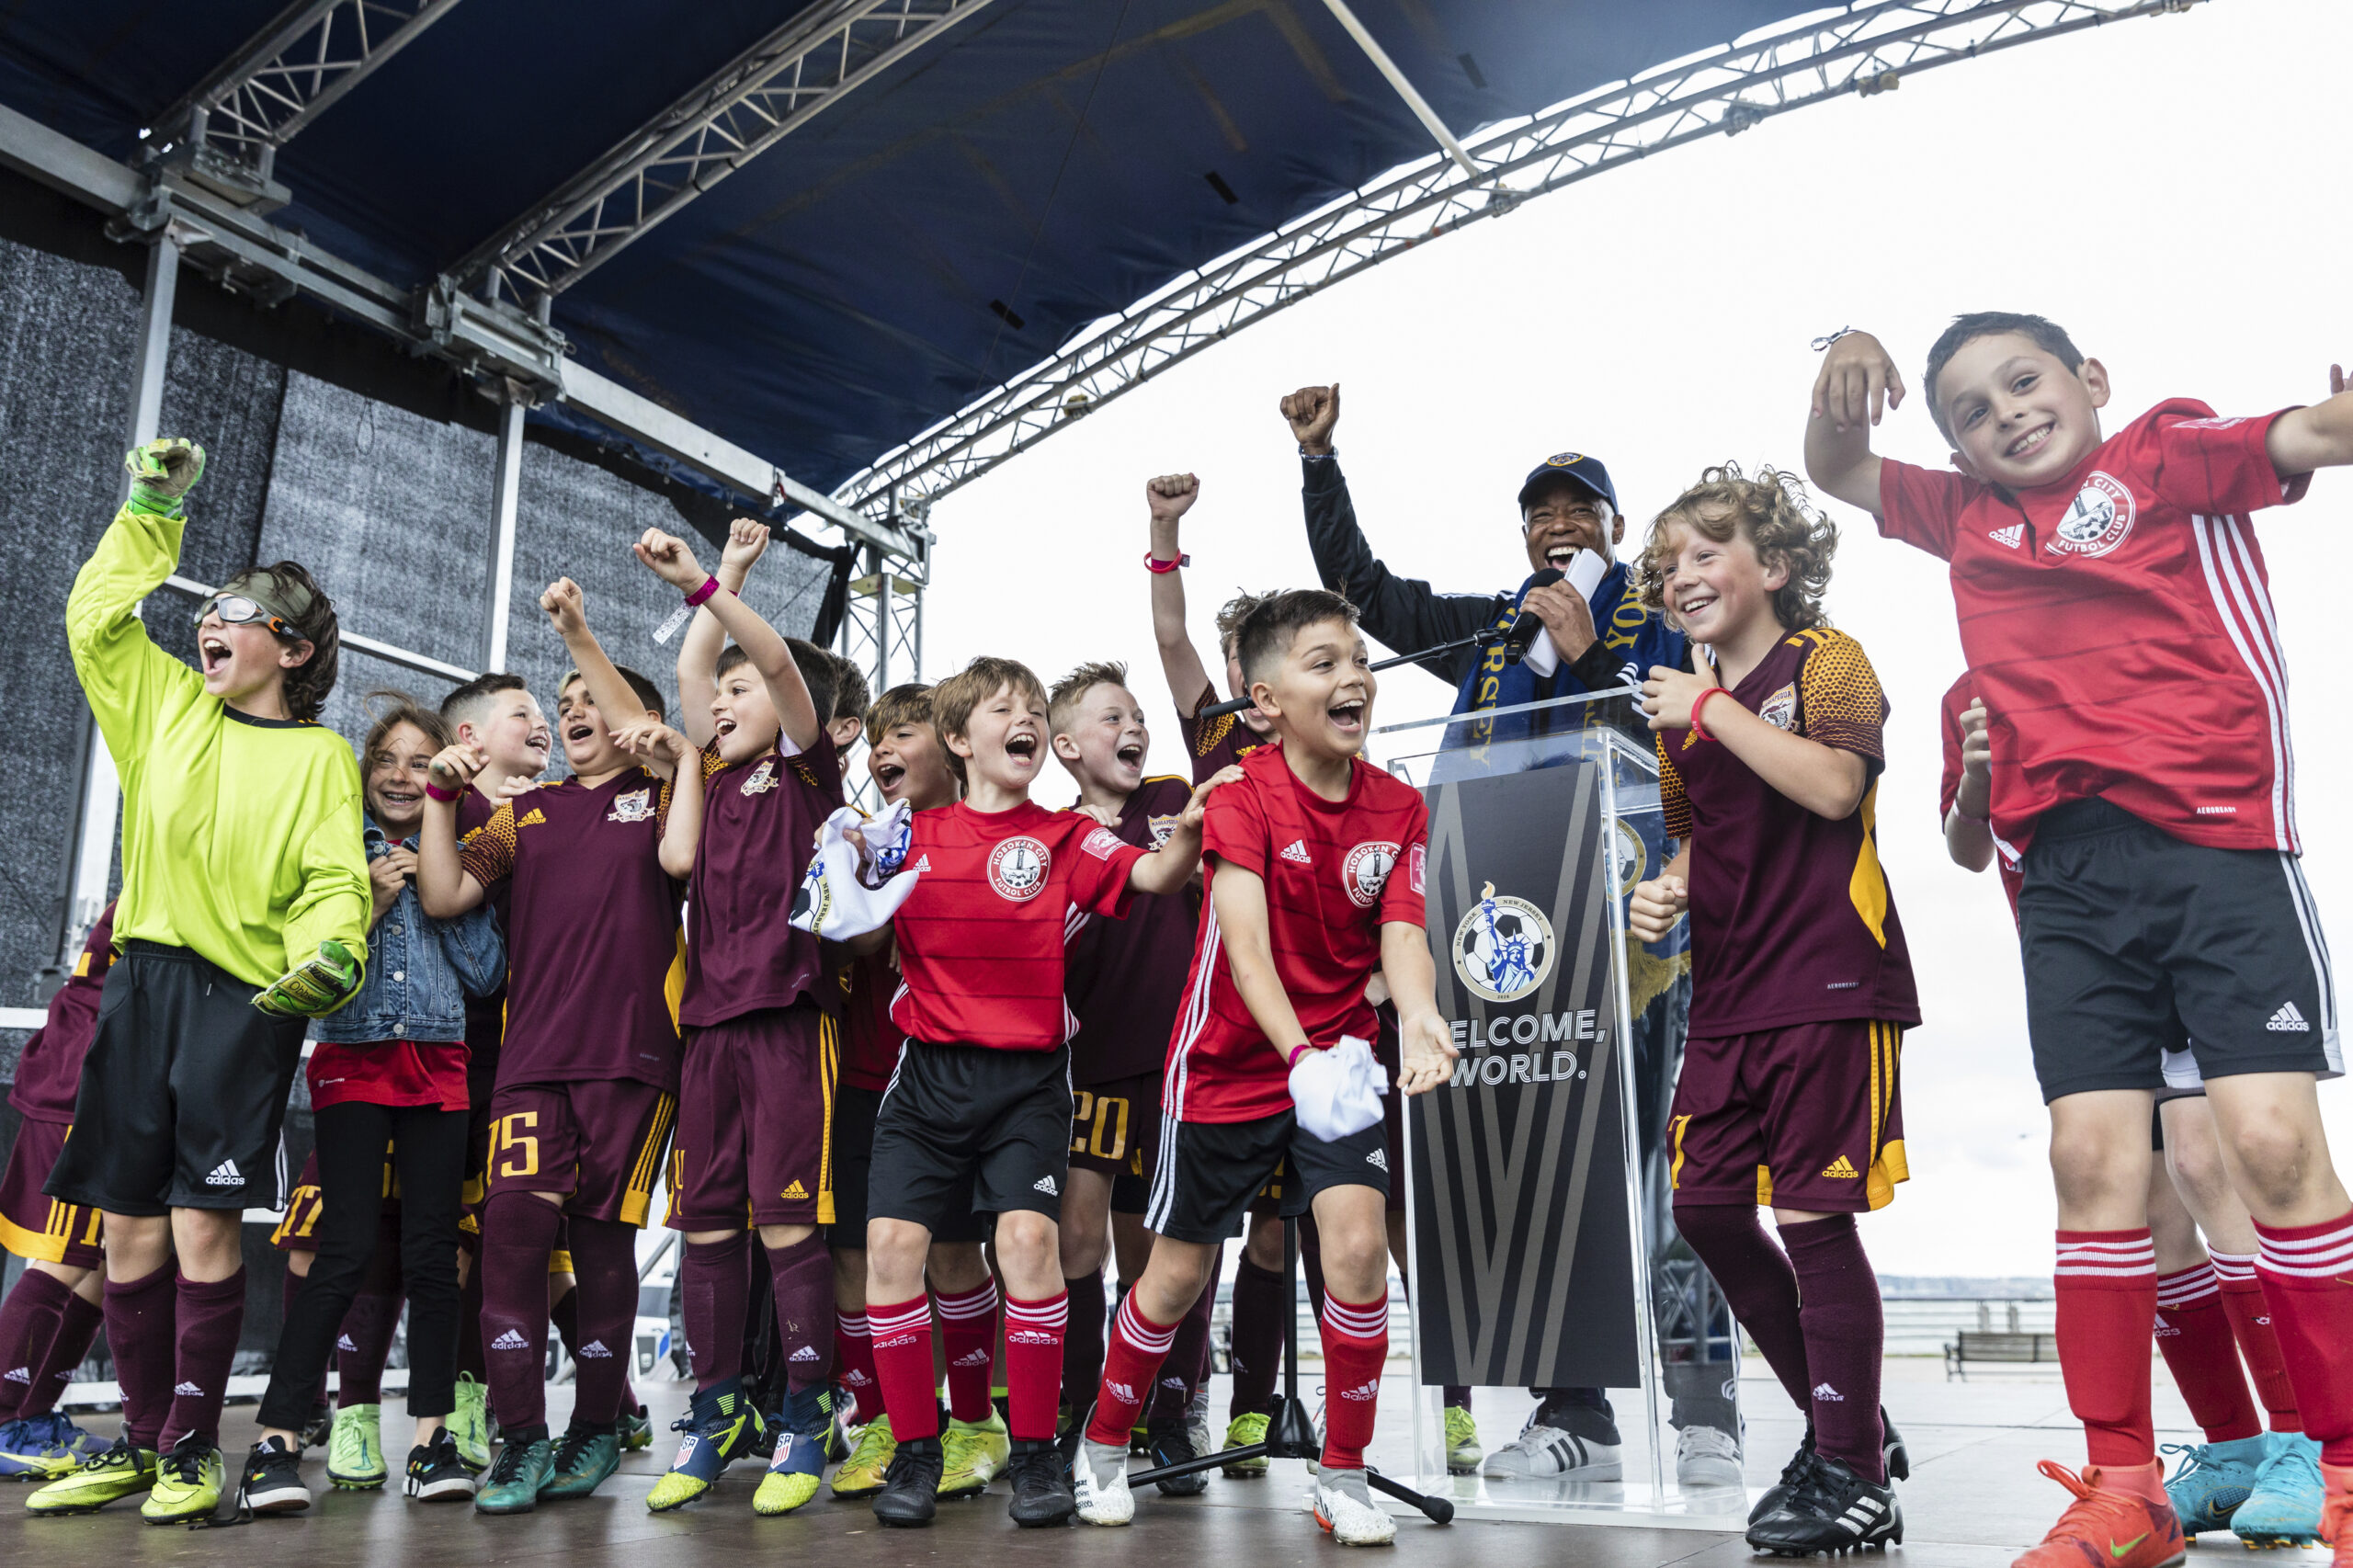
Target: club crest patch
{"points": [[1366, 871], [1102, 844], [635, 806], [1161, 828], [762, 779], [2098, 520], [1417, 862], [1017, 869], [1780, 710]]}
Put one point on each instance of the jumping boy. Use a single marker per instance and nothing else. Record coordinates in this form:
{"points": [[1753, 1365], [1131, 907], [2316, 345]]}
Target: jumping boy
{"points": [[2118, 624], [588, 1069], [983, 1086], [1315, 877], [1801, 988], [757, 1074], [243, 911]]}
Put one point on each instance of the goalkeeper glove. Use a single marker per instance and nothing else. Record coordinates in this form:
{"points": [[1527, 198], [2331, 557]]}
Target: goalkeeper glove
{"points": [[314, 987], [160, 473]]}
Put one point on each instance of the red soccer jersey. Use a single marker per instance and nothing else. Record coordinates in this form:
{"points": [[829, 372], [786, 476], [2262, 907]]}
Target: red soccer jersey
{"points": [[1327, 866], [388, 1073], [2118, 626], [1126, 977], [981, 939], [1214, 743], [760, 830], [49, 1074], [871, 1041], [1956, 703]]}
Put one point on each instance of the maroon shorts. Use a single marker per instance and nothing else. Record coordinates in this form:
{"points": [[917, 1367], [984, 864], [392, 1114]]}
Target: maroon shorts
{"points": [[34, 1225], [597, 1143], [755, 1112], [1805, 1118], [294, 1233], [1115, 1127]]}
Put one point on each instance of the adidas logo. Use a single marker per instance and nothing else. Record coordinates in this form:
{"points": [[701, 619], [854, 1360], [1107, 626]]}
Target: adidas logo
{"points": [[532, 818], [187, 1391], [1841, 1169], [1031, 1337], [1121, 1392], [971, 1359], [922, 864], [1045, 1184], [2287, 1020], [1296, 852], [2012, 536], [226, 1173], [594, 1351], [1825, 1392], [511, 1340], [1171, 1382], [1363, 1392], [19, 1375], [795, 1190], [2164, 1329], [343, 1342], [806, 1353], [855, 1378], [1378, 1157]]}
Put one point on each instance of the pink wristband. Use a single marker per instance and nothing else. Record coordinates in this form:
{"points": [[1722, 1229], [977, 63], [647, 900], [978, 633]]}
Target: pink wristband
{"points": [[709, 586], [444, 796], [1296, 1052], [1159, 568], [1696, 727]]}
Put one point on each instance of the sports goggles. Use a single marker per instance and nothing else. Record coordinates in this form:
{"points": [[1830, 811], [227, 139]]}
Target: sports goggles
{"points": [[236, 609]]}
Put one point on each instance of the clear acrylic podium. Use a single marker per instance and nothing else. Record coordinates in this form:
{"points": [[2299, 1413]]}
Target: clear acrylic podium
{"points": [[1537, 1204]]}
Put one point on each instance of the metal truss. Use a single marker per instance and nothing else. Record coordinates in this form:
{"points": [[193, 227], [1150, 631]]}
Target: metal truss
{"points": [[741, 110], [882, 629], [1867, 50], [227, 131]]}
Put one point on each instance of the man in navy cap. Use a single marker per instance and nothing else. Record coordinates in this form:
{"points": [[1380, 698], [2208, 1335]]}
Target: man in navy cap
{"points": [[1595, 641]]}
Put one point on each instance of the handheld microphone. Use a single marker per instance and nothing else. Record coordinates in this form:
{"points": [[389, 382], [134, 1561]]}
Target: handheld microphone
{"points": [[1528, 625]]}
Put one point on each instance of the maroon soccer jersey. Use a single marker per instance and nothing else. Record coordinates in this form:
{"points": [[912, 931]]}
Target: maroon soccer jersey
{"points": [[485, 1016], [1328, 869], [982, 938], [1126, 977], [760, 830], [592, 934], [2118, 626], [1215, 744], [49, 1074], [1956, 703], [870, 1040], [1792, 918]]}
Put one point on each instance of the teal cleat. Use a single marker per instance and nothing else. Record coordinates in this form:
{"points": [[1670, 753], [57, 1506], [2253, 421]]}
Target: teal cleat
{"points": [[2213, 1480], [515, 1482], [2284, 1507], [583, 1462]]}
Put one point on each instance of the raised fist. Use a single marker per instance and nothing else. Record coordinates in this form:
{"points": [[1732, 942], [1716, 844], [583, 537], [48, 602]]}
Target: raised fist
{"points": [[747, 541], [162, 470], [565, 607], [1311, 412], [670, 559], [1171, 495]]}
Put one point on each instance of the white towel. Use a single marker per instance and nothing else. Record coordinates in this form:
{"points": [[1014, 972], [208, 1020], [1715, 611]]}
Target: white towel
{"points": [[858, 876], [1338, 1092]]}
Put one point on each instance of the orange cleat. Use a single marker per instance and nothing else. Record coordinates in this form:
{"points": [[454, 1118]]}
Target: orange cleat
{"points": [[2121, 1519], [2336, 1512]]}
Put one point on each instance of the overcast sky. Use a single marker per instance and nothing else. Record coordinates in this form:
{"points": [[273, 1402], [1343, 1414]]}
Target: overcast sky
{"points": [[2171, 190]]}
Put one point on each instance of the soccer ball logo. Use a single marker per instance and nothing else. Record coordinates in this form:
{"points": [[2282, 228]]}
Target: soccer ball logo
{"points": [[1017, 869], [1632, 856], [1503, 948], [1365, 871], [2097, 519]]}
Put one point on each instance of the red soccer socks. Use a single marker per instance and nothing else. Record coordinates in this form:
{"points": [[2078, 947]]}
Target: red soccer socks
{"points": [[1130, 1363], [968, 1335], [2194, 1333], [1033, 1366], [903, 1366], [2107, 1288], [1355, 1344], [2307, 1274], [2250, 1317]]}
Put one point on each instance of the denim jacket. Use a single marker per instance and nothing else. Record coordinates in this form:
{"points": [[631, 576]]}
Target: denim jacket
{"points": [[420, 971]]}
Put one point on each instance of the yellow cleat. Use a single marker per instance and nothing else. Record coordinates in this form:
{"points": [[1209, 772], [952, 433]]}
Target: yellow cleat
{"points": [[188, 1483], [1245, 1431], [862, 1474], [971, 1453]]}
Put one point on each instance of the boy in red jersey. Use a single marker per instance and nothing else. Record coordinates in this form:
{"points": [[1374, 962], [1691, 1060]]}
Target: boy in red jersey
{"points": [[1126, 980], [1801, 983], [1314, 883], [588, 1068], [983, 1084], [757, 1079], [52, 1314], [2148, 798]]}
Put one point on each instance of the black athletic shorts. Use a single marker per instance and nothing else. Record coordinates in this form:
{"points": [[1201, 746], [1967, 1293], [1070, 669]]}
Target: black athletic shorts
{"points": [[966, 1127], [2135, 941], [1210, 1170], [853, 1144], [183, 1091]]}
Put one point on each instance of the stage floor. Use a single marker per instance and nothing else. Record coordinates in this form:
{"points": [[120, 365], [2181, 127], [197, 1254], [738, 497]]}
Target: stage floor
{"points": [[1974, 1502]]}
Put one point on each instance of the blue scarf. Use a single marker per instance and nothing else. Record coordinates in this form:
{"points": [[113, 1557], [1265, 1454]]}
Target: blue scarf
{"points": [[1629, 631]]}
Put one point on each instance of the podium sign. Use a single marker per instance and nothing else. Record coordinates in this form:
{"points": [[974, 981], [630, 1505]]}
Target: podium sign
{"points": [[1524, 1259]]}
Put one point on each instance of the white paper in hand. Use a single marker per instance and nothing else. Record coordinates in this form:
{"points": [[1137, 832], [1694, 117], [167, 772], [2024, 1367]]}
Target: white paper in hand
{"points": [[1338, 1092], [1585, 572], [858, 876]]}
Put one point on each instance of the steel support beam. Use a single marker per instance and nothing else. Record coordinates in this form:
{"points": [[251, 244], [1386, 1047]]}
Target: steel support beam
{"points": [[506, 500], [391, 652], [1404, 88], [740, 111], [1865, 50]]}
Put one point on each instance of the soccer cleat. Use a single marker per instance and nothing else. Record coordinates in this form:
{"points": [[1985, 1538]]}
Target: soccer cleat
{"points": [[1706, 1456], [862, 1474], [1139, 1439], [2212, 1480], [1099, 1485], [636, 1429], [43, 1447], [719, 1425], [2282, 1508], [468, 1423], [437, 1474], [971, 1453], [1829, 1509], [355, 1448], [1173, 1443], [1462, 1451], [583, 1460], [1344, 1506], [1042, 1489], [910, 1494], [1543, 1453], [1240, 1433], [1892, 1454], [273, 1478], [115, 1472], [315, 1431], [2121, 1519], [514, 1483], [797, 1465], [2336, 1512], [1197, 1422], [187, 1482]]}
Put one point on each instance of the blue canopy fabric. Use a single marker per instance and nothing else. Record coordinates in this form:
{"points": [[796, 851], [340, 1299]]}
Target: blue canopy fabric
{"points": [[944, 226]]}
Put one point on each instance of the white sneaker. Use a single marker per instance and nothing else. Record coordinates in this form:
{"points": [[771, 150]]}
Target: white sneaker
{"points": [[1706, 1456], [1544, 1453], [1102, 1502], [1353, 1520]]}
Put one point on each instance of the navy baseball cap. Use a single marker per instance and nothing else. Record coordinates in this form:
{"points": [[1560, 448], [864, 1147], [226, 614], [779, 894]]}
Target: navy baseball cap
{"points": [[1586, 471]]}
